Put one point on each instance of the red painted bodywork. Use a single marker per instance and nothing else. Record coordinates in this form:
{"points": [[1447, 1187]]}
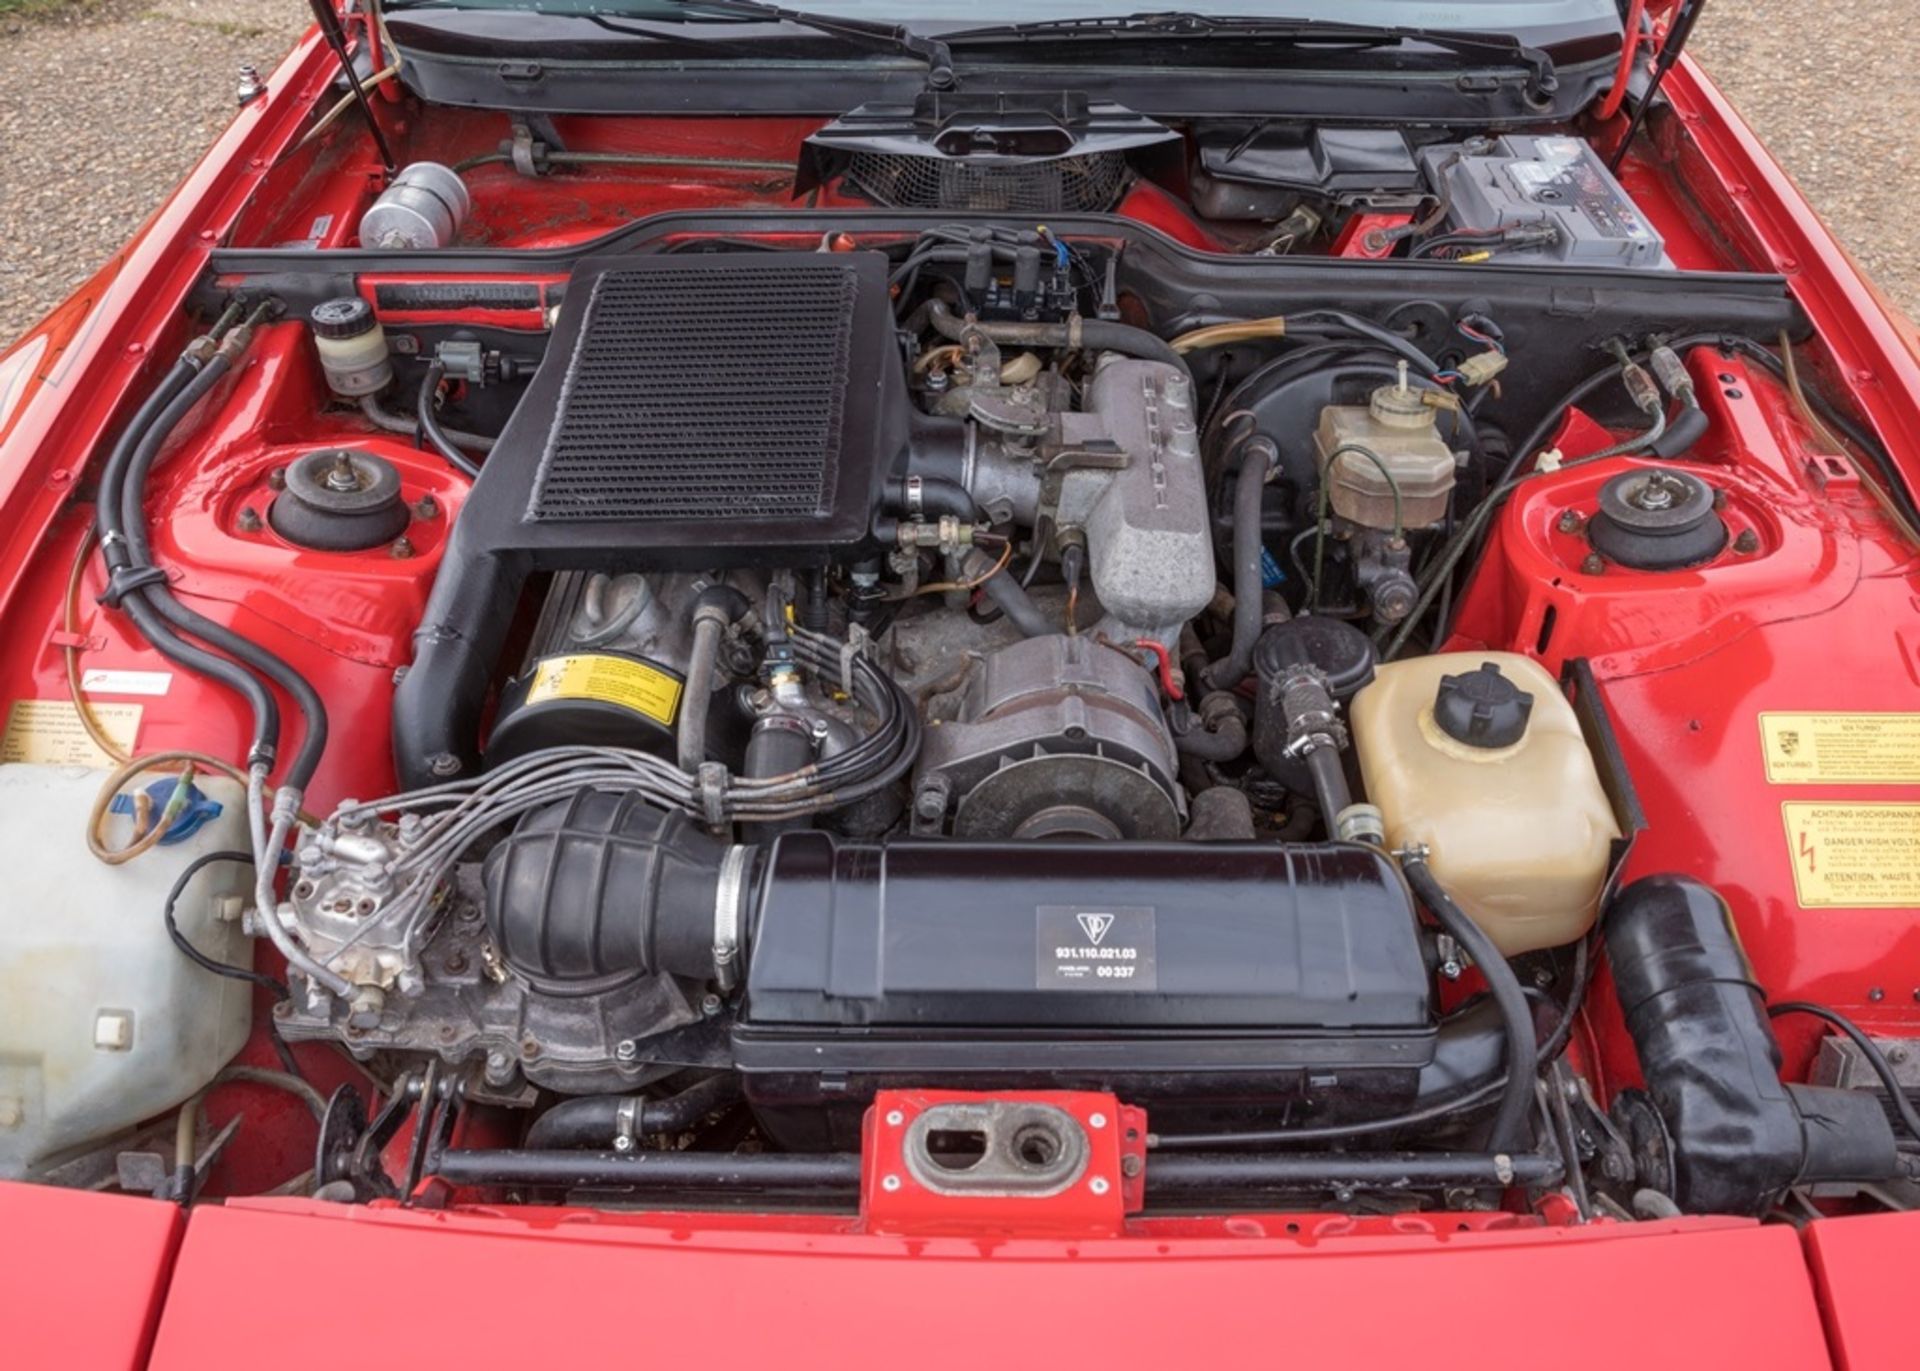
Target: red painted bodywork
{"points": [[1823, 615]]}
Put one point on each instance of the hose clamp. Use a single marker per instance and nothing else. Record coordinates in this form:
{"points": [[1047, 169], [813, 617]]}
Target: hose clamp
{"points": [[626, 1124], [710, 784], [728, 890]]}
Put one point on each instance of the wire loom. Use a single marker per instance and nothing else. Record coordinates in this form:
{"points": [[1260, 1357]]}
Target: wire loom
{"points": [[460, 813]]}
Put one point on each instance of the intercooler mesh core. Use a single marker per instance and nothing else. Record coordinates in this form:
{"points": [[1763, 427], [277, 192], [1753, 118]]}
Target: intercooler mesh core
{"points": [[702, 394]]}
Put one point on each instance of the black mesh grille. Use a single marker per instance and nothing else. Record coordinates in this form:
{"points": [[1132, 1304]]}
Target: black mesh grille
{"points": [[703, 394], [1064, 185]]}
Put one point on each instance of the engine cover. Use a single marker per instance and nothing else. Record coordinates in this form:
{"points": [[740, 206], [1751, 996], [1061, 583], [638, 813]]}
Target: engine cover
{"points": [[1211, 983]]}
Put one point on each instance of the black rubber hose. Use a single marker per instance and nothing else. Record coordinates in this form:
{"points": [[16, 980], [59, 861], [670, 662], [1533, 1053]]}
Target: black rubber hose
{"points": [[1223, 735], [122, 547], [133, 477], [1099, 335], [938, 497], [1011, 599], [1508, 1133], [1330, 786], [1876, 1059], [592, 1120], [430, 422], [1249, 581], [713, 609]]}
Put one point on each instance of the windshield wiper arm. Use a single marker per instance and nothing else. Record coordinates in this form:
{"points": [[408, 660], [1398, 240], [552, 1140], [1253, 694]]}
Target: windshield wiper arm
{"points": [[898, 37], [1541, 79]]}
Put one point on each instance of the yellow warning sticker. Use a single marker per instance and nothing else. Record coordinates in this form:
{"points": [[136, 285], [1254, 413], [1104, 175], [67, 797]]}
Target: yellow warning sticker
{"points": [[1854, 856], [613, 680], [1841, 749], [50, 732]]}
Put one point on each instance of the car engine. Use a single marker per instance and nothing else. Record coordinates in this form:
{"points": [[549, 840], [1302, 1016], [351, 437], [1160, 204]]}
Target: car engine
{"points": [[898, 644]]}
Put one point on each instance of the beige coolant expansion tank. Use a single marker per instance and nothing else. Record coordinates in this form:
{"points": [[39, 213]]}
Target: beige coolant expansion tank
{"points": [[1477, 756]]}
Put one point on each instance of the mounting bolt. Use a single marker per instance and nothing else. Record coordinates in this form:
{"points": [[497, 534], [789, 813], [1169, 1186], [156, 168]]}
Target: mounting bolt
{"points": [[1594, 564], [1875, 995], [710, 1004], [895, 1118], [1098, 1185], [277, 479], [426, 507], [1132, 1164], [402, 546], [1096, 1120], [1747, 543], [889, 1183], [444, 764], [249, 520], [622, 1143], [627, 1050], [1570, 521]]}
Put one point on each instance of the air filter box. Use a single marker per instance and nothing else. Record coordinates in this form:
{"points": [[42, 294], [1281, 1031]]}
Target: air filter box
{"points": [[1215, 983], [692, 413]]}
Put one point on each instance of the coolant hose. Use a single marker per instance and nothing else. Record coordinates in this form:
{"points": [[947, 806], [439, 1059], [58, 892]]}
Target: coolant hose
{"points": [[386, 420], [594, 1120], [1509, 1129], [714, 609], [921, 497], [1222, 735], [1098, 335], [1249, 581], [430, 428], [1009, 597]]}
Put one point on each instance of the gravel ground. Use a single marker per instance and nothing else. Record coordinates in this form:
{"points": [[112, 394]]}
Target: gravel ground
{"points": [[104, 108]]}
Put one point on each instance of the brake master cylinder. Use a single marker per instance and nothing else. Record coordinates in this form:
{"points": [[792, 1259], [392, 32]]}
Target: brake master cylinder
{"points": [[1478, 758], [1387, 470]]}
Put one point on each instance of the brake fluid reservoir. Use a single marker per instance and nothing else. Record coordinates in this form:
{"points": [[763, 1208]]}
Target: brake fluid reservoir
{"points": [[1478, 757]]}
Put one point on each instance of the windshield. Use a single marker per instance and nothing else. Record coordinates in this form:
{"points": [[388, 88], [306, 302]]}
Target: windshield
{"points": [[1539, 19]]}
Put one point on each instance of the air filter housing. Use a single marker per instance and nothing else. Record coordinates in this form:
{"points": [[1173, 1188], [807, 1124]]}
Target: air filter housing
{"points": [[692, 413]]}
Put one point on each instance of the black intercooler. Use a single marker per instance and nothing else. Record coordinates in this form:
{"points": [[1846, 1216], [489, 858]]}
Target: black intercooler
{"points": [[691, 413]]}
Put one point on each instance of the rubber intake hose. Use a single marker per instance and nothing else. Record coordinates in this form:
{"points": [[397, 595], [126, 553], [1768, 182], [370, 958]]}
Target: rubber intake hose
{"points": [[1741, 1137], [1249, 583], [1509, 1129], [594, 1120], [603, 888], [713, 610]]}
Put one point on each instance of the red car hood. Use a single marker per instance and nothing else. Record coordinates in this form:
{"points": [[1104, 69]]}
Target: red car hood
{"points": [[106, 1282]]}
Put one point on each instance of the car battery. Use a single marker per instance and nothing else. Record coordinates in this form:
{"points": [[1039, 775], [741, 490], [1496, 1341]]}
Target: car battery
{"points": [[1561, 184]]}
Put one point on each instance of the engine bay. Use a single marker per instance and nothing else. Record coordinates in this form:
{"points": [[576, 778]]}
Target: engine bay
{"points": [[1227, 620]]}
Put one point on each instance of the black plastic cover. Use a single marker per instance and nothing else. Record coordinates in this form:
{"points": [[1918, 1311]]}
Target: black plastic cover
{"points": [[1228, 977]]}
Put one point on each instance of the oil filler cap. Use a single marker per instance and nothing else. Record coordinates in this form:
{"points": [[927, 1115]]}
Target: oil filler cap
{"points": [[1482, 708]]}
